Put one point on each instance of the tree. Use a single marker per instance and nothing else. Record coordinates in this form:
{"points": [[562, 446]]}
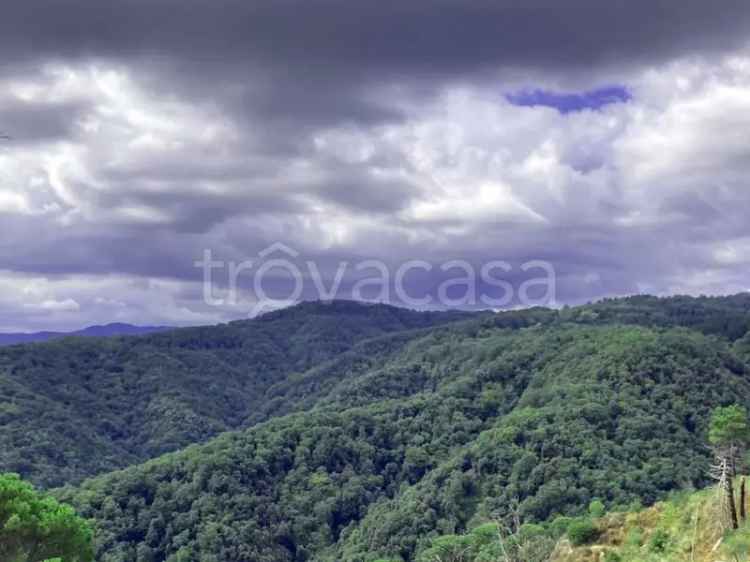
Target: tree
{"points": [[729, 434], [742, 347], [35, 527], [729, 427]]}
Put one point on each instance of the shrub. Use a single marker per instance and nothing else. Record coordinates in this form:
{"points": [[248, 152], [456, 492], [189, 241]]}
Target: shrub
{"points": [[634, 537], [582, 531], [530, 531], [635, 506], [559, 526], [659, 541], [737, 545], [596, 509]]}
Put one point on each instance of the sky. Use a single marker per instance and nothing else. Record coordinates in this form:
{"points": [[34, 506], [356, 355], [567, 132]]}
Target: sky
{"points": [[608, 140]]}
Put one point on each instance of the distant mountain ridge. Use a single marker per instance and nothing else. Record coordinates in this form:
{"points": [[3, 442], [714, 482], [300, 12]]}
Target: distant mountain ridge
{"points": [[100, 330]]}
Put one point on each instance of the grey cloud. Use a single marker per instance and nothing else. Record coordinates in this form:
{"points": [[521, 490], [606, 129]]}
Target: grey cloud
{"points": [[356, 189], [423, 36], [314, 62], [30, 122]]}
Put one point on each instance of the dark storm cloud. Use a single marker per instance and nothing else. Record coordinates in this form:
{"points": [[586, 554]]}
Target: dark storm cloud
{"points": [[292, 65], [429, 37], [312, 62]]}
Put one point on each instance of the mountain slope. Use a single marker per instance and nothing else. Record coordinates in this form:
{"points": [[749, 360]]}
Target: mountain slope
{"points": [[76, 407], [617, 414], [456, 428]]}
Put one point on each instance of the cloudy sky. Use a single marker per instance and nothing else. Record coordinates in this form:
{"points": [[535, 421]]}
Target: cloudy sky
{"points": [[608, 139]]}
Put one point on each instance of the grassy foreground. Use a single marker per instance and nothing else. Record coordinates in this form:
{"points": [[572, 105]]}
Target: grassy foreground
{"points": [[687, 527]]}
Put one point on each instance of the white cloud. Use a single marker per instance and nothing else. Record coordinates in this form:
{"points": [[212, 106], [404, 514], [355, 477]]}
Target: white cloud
{"points": [[72, 302], [67, 305]]}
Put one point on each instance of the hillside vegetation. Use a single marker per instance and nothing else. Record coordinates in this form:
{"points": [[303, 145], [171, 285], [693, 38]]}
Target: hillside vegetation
{"points": [[686, 527], [372, 433]]}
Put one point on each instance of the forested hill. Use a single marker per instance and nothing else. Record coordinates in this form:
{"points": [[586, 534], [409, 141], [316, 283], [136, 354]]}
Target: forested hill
{"points": [[728, 317], [107, 330], [76, 407], [527, 415]]}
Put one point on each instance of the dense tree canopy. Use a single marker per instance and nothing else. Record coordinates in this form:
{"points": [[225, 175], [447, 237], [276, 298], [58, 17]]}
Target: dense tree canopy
{"points": [[463, 426], [81, 406], [368, 433]]}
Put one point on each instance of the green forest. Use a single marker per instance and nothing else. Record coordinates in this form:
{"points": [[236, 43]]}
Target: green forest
{"points": [[344, 432]]}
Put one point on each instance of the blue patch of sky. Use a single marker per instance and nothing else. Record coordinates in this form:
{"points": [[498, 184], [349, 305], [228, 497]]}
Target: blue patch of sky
{"points": [[571, 102]]}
